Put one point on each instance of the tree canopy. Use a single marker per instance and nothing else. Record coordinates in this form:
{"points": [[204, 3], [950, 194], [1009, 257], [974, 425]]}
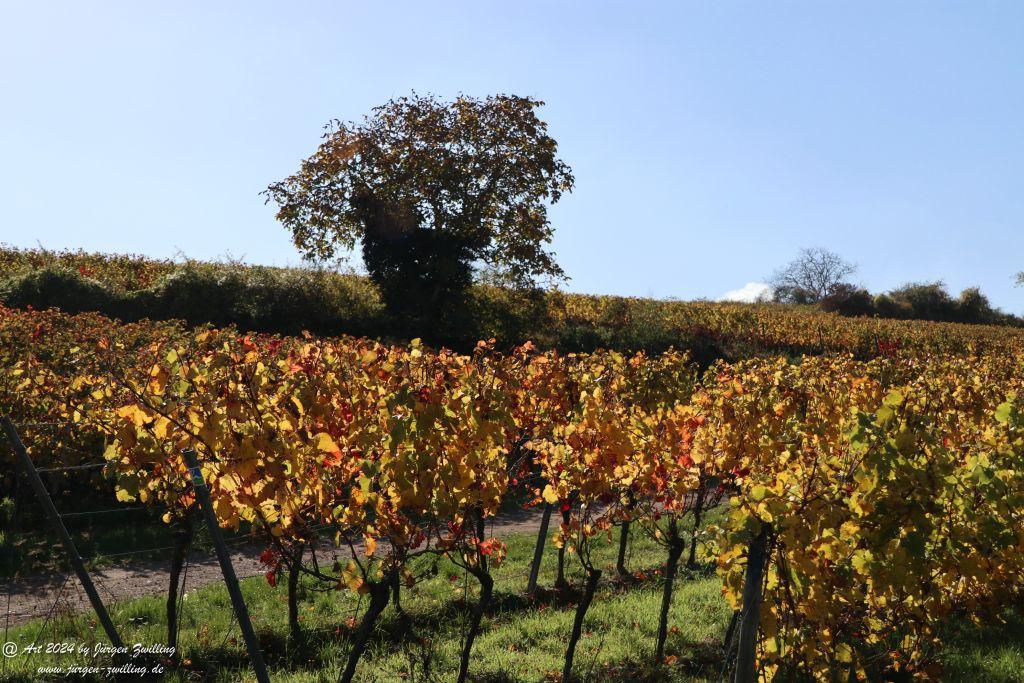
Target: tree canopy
{"points": [[428, 188]]}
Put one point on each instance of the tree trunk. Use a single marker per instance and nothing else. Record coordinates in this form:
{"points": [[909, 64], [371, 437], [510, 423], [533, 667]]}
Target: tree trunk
{"points": [[593, 576], [538, 550], [182, 540], [396, 592], [380, 593], [486, 590], [675, 551], [560, 582], [620, 562], [294, 571], [698, 510]]}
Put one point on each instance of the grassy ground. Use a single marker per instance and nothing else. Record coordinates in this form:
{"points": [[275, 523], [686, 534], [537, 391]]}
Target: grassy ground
{"points": [[520, 641]]}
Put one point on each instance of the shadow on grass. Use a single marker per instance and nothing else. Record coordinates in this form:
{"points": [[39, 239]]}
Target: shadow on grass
{"points": [[22, 678], [653, 575], [696, 659], [503, 602], [279, 653], [700, 659], [394, 628], [970, 646]]}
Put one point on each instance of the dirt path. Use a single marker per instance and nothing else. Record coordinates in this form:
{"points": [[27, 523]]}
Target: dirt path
{"points": [[39, 596]]}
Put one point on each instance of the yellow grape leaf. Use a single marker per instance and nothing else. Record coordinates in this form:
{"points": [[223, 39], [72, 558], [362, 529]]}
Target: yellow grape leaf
{"points": [[352, 578], [861, 558], [133, 413], [550, 495], [325, 443], [161, 427]]}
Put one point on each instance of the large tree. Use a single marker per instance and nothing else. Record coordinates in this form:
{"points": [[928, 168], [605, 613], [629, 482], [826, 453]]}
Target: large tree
{"points": [[430, 189], [814, 275]]}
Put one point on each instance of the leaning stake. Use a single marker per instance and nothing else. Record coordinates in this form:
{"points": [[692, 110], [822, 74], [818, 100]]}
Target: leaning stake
{"points": [[226, 568], [55, 521], [746, 657]]}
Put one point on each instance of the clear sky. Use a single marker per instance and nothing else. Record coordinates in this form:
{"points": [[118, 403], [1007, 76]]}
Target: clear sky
{"points": [[710, 140]]}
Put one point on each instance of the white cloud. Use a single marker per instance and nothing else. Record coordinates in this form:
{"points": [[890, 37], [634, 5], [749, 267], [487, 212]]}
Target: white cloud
{"points": [[750, 292]]}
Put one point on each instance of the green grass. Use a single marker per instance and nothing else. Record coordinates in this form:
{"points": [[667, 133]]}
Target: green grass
{"points": [[520, 641], [993, 654]]}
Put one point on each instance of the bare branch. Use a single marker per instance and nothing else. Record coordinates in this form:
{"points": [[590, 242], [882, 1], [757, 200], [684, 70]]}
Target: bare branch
{"points": [[812, 276]]}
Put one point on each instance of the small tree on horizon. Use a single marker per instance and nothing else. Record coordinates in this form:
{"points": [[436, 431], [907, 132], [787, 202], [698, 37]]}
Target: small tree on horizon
{"points": [[814, 275], [430, 190]]}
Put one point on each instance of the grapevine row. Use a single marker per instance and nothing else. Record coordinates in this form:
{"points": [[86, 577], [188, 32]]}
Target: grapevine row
{"points": [[889, 490]]}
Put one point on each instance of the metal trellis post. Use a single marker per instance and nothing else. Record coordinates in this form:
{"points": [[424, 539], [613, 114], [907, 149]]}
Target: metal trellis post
{"points": [[227, 569]]}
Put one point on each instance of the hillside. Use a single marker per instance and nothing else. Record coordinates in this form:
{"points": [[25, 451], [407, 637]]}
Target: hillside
{"points": [[325, 302]]}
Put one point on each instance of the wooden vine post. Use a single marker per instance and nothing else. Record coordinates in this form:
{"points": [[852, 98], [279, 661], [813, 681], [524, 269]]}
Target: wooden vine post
{"points": [[746, 656], [227, 569]]}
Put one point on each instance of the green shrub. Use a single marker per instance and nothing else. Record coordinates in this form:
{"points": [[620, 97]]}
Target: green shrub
{"points": [[931, 301], [287, 301], [58, 287]]}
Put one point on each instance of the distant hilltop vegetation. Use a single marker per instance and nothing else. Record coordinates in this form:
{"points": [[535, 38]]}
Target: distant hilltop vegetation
{"points": [[327, 302]]}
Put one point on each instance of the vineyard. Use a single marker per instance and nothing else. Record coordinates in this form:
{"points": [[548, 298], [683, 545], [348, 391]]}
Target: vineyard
{"points": [[882, 496], [291, 300]]}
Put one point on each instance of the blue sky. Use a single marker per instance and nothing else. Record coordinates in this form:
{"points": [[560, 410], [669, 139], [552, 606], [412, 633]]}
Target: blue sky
{"points": [[710, 140]]}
